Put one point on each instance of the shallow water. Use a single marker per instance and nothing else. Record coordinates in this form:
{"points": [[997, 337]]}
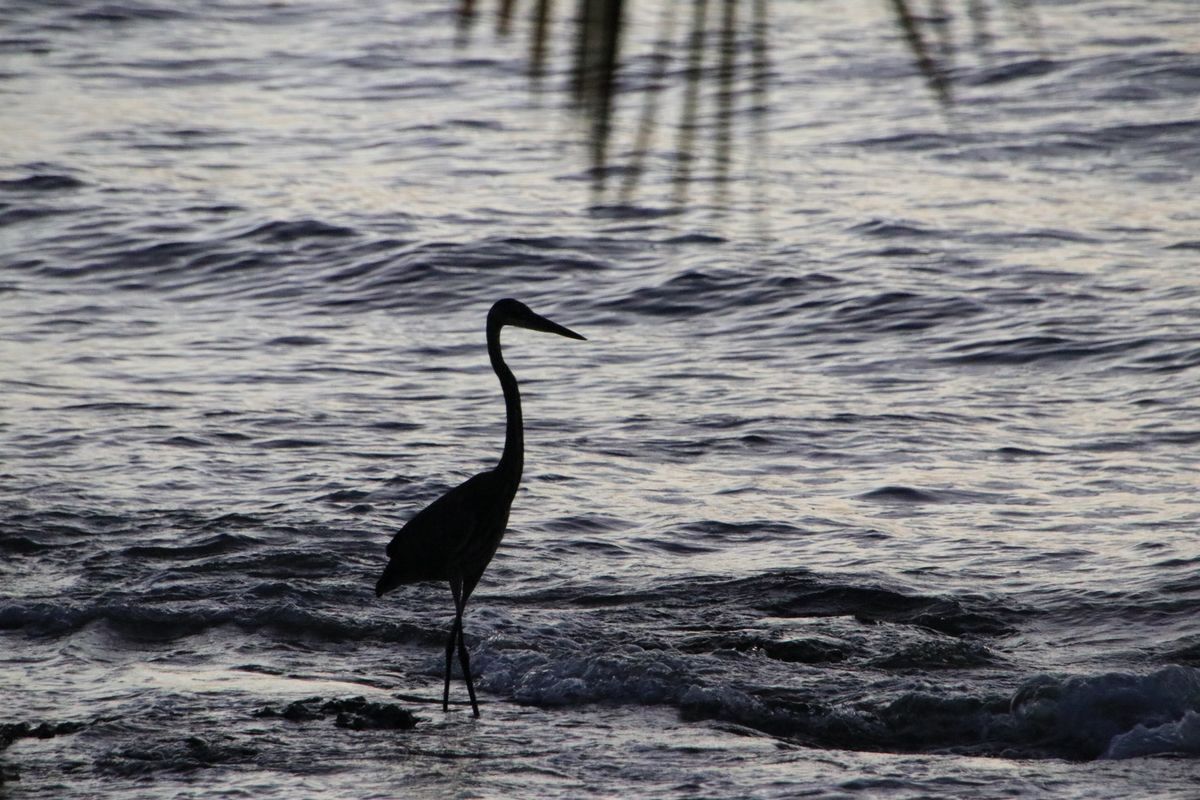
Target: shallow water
{"points": [[876, 477]]}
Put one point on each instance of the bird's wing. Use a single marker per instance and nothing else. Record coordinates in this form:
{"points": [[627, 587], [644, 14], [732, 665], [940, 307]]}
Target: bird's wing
{"points": [[434, 540]]}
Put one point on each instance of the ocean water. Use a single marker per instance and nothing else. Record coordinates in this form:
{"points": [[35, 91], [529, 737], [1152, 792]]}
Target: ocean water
{"points": [[876, 477]]}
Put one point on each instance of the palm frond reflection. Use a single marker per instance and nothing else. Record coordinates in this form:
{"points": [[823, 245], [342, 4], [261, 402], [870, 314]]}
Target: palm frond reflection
{"points": [[677, 93]]}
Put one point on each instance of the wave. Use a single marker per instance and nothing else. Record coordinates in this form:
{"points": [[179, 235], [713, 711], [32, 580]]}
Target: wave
{"points": [[1032, 349], [304, 262], [259, 610], [1181, 736], [1115, 715], [884, 667], [791, 594], [41, 182], [922, 676]]}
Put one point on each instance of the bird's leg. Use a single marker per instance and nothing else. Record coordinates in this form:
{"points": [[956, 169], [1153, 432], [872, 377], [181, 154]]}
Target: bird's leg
{"points": [[463, 658], [450, 661]]}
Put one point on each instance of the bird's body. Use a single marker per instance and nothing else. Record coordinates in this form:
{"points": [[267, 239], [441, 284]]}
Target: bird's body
{"points": [[454, 538]]}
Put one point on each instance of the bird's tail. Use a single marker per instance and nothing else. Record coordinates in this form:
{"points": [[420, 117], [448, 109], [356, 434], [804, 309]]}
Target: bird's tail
{"points": [[390, 579]]}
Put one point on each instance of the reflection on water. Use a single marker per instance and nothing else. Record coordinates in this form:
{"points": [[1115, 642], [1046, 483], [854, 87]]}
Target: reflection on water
{"points": [[693, 77], [688, 75], [932, 36], [723, 47]]}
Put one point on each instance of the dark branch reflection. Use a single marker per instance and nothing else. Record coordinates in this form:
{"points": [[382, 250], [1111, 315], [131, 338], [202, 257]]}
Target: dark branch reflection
{"points": [[706, 78]]}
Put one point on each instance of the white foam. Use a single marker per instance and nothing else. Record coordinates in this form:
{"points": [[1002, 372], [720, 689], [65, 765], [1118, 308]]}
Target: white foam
{"points": [[1181, 736], [1115, 715], [631, 675]]}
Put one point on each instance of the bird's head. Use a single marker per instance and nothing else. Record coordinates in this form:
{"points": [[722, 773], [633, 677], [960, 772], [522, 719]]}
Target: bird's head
{"points": [[515, 313]]}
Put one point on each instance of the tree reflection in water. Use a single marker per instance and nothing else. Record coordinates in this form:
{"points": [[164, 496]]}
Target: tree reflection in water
{"points": [[704, 74]]}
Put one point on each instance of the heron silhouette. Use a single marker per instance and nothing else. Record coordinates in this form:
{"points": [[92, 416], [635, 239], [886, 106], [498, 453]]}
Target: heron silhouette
{"points": [[454, 537]]}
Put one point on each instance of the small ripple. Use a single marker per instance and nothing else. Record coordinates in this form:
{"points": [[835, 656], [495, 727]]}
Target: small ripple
{"points": [[1031, 349], [1013, 71], [218, 544], [290, 231], [297, 341], [290, 443], [899, 494], [42, 183], [890, 229]]}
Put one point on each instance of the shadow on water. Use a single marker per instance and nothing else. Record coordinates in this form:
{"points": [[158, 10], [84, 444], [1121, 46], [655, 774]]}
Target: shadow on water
{"points": [[930, 35], [690, 84]]}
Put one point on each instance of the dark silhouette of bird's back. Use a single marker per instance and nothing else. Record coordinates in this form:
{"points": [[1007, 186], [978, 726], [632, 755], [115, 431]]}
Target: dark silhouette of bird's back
{"points": [[454, 538]]}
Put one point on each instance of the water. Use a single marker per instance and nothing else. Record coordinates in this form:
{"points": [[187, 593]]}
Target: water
{"points": [[876, 477]]}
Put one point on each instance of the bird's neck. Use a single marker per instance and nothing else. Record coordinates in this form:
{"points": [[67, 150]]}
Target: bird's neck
{"points": [[513, 459]]}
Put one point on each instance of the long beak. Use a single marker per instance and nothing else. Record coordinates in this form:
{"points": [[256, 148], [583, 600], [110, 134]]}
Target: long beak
{"points": [[537, 322]]}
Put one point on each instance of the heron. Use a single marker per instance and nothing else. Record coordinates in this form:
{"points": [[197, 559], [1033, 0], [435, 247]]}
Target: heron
{"points": [[454, 538]]}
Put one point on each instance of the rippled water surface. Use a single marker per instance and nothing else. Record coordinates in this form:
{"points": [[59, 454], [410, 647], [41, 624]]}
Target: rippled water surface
{"points": [[877, 475]]}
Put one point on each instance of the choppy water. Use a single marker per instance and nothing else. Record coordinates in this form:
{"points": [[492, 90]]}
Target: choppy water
{"points": [[876, 477]]}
